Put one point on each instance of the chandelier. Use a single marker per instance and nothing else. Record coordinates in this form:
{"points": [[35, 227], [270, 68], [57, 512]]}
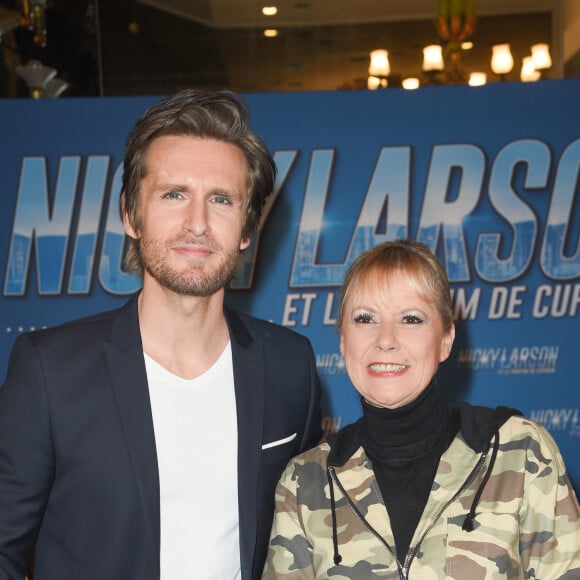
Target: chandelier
{"points": [[41, 80], [455, 24]]}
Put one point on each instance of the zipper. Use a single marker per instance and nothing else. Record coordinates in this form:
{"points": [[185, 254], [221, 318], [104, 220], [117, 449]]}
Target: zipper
{"points": [[413, 551], [402, 573], [403, 569]]}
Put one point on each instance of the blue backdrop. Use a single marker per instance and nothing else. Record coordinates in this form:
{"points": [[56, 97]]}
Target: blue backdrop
{"points": [[488, 177]]}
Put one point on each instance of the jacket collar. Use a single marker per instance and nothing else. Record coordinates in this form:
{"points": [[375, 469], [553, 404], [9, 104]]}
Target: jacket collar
{"points": [[249, 383], [239, 332], [124, 356], [477, 426], [344, 444]]}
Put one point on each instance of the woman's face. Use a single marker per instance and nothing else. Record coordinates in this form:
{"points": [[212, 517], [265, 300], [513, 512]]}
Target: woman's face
{"points": [[392, 341]]}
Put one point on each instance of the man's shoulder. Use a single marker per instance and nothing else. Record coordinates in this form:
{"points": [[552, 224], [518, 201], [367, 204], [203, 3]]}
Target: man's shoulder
{"points": [[266, 329], [90, 327]]}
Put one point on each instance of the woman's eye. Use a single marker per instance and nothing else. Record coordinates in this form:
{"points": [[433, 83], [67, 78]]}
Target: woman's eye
{"points": [[363, 318], [412, 319]]}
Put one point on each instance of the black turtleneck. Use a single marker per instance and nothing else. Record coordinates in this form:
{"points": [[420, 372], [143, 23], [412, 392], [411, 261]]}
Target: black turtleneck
{"points": [[405, 446]]}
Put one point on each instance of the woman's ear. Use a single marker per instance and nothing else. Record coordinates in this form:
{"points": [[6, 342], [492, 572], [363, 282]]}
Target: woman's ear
{"points": [[447, 343]]}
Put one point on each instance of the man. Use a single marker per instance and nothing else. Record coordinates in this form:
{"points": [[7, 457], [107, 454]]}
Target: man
{"points": [[146, 442]]}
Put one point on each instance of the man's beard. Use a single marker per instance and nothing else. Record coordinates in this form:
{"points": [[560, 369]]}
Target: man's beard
{"points": [[191, 280]]}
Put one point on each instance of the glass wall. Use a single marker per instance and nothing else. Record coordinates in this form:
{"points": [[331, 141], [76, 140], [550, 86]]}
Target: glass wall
{"points": [[129, 47]]}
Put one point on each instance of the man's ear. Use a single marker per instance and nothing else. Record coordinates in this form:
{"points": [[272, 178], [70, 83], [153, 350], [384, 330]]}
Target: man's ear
{"points": [[245, 243], [129, 229]]}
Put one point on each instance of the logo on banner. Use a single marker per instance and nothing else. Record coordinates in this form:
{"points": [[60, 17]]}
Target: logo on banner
{"points": [[558, 420], [513, 360], [330, 363]]}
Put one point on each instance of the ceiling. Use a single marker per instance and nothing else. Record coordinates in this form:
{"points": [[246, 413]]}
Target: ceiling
{"points": [[134, 47], [325, 44], [246, 13]]}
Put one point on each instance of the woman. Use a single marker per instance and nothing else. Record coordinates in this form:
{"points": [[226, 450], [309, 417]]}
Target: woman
{"points": [[416, 488]]}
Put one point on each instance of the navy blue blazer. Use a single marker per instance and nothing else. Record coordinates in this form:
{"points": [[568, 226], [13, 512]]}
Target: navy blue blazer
{"points": [[79, 482]]}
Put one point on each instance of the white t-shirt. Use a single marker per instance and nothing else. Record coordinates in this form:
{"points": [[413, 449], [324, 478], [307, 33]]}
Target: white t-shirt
{"points": [[195, 426]]}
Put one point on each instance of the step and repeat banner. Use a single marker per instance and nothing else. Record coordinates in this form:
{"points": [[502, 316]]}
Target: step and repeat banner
{"points": [[488, 177]]}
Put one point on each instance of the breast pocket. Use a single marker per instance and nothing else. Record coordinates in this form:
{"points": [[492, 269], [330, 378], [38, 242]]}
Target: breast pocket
{"points": [[278, 450], [278, 442]]}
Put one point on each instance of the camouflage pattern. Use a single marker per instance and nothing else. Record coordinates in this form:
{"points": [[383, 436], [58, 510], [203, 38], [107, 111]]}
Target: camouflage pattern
{"points": [[527, 523]]}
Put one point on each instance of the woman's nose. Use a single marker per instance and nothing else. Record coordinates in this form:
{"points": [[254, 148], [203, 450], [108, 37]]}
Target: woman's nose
{"points": [[387, 337]]}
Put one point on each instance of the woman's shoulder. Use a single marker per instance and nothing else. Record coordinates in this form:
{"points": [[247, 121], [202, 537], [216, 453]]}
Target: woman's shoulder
{"points": [[317, 454], [335, 451], [306, 469], [530, 434], [520, 425]]}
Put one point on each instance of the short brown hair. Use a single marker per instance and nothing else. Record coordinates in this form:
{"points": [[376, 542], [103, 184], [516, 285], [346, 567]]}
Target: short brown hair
{"points": [[220, 115]]}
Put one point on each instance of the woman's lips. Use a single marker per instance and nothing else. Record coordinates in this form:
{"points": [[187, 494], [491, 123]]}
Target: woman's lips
{"points": [[386, 368]]}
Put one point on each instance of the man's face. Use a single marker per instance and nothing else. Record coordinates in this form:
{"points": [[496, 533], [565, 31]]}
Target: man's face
{"points": [[193, 200]]}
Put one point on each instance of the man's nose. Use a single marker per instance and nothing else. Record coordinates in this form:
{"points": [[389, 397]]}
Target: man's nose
{"points": [[196, 218]]}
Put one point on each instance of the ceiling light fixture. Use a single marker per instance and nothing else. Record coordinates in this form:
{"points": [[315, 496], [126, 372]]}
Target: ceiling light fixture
{"points": [[36, 76], [374, 83], [455, 23], [477, 79], [502, 61], [410, 83], [541, 56], [528, 72], [380, 66], [379, 69], [433, 58]]}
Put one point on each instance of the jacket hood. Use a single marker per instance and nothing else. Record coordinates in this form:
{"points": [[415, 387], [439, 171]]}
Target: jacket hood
{"points": [[477, 425]]}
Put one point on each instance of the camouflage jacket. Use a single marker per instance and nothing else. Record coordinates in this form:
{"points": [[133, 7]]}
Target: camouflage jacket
{"points": [[331, 521]]}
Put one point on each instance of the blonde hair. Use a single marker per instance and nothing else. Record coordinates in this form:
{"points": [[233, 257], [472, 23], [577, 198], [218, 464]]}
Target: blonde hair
{"points": [[412, 258]]}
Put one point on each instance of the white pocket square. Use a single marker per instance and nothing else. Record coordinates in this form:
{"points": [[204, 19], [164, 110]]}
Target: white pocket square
{"points": [[279, 441]]}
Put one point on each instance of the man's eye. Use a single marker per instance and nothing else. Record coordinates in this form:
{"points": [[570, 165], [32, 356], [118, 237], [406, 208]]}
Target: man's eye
{"points": [[412, 319], [363, 318], [221, 199], [172, 195]]}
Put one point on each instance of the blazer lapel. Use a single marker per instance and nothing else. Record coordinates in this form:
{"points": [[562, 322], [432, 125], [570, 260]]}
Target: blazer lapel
{"points": [[124, 355], [248, 365]]}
